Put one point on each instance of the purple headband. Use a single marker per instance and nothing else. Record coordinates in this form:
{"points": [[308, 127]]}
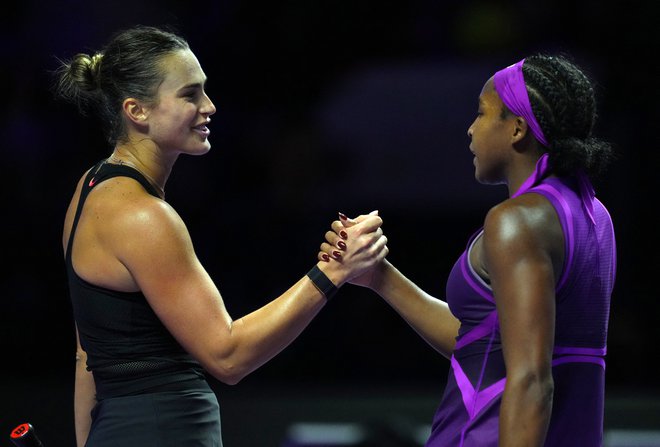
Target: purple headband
{"points": [[510, 85]]}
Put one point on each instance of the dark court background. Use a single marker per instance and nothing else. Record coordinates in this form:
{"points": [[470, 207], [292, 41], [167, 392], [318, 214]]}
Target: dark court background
{"points": [[323, 106]]}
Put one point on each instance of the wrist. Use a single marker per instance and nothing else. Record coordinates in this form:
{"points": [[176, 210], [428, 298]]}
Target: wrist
{"points": [[322, 282], [334, 271], [378, 277]]}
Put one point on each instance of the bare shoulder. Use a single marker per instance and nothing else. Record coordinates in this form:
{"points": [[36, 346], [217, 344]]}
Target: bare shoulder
{"points": [[133, 224], [133, 211], [523, 220], [523, 224], [123, 233]]}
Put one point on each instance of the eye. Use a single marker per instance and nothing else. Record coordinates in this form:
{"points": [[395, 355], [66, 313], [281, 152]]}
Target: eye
{"points": [[190, 93]]}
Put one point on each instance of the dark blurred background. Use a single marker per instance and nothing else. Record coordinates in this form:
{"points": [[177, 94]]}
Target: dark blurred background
{"points": [[323, 106]]}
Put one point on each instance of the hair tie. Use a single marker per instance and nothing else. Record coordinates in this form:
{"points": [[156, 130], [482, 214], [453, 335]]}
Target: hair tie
{"points": [[510, 85]]}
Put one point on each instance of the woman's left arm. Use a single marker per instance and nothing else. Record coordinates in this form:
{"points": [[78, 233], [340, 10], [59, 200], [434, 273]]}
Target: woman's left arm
{"points": [[522, 243]]}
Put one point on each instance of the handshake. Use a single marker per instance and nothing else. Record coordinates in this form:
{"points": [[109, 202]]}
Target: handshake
{"points": [[353, 250]]}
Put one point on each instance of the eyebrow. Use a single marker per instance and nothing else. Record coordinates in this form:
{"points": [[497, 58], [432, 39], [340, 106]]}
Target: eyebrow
{"points": [[194, 85]]}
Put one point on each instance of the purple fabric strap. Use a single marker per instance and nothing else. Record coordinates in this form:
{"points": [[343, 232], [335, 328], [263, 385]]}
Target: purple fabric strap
{"points": [[481, 330], [587, 193], [510, 85], [541, 170]]}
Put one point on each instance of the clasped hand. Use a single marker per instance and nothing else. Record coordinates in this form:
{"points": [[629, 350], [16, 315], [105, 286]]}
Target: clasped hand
{"points": [[358, 244]]}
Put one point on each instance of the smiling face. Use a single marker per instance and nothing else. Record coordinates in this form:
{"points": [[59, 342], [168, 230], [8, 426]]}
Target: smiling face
{"points": [[491, 135], [177, 121]]}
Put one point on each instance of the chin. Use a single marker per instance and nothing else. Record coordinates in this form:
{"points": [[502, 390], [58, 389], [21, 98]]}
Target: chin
{"points": [[199, 150]]}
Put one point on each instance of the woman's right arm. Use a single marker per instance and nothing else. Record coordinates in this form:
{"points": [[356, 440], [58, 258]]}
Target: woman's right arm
{"points": [[153, 243], [430, 317], [84, 397]]}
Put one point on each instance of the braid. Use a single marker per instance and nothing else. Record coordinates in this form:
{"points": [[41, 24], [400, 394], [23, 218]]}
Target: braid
{"points": [[563, 102]]}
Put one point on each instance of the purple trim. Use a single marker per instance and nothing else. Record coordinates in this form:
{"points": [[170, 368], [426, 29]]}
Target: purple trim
{"points": [[614, 258], [587, 194], [579, 359], [510, 86], [561, 350], [540, 170], [475, 401], [467, 390], [567, 225], [486, 395], [484, 328]]}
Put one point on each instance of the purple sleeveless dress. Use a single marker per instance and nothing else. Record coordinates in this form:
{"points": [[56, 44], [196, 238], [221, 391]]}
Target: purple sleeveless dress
{"points": [[468, 415]]}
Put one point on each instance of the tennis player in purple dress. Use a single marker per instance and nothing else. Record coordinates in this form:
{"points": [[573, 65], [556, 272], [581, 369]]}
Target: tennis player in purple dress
{"points": [[524, 324]]}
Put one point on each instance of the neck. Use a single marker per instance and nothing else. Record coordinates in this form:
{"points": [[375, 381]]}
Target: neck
{"points": [[533, 171], [148, 170]]}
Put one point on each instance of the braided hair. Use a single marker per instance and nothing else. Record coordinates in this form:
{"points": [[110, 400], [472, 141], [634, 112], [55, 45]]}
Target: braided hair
{"points": [[564, 104], [128, 66]]}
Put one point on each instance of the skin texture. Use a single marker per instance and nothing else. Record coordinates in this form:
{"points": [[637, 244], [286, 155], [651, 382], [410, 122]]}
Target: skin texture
{"points": [[129, 240], [520, 254]]}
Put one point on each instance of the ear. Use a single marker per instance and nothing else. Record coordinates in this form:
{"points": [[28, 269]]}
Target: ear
{"points": [[519, 129], [135, 111]]}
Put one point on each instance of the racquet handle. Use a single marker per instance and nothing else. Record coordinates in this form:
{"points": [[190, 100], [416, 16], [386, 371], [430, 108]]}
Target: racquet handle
{"points": [[25, 436]]}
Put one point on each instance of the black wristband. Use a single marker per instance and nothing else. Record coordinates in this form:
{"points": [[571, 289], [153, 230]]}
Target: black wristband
{"points": [[322, 282]]}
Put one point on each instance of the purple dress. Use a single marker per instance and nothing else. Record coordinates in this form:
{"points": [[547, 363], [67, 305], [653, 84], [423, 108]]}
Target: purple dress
{"points": [[468, 414]]}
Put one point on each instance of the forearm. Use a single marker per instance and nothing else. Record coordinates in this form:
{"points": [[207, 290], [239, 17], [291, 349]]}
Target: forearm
{"points": [[262, 334], [525, 413], [238, 347], [83, 401], [428, 316]]}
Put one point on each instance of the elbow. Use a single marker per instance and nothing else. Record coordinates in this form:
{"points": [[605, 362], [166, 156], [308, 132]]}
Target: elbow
{"points": [[545, 393], [227, 369], [228, 359], [539, 386], [228, 376]]}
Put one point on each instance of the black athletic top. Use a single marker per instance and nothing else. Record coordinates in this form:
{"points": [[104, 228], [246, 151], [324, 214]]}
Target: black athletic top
{"points": [[129, 350]]}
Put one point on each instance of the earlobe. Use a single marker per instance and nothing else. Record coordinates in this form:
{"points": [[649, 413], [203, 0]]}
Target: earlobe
{"points": [[135, 111], [519, 129]]}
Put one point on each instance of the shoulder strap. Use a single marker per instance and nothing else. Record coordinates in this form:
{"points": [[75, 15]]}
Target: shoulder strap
{"points": [[87, 186], [100, 172]]}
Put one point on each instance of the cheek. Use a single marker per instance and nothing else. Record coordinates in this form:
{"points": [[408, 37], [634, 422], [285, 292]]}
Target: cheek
{"points": [[478, 132], [177, 121]]}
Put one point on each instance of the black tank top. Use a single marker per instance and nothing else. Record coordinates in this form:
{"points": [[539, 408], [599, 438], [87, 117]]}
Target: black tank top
{"points": [[129, 350]]}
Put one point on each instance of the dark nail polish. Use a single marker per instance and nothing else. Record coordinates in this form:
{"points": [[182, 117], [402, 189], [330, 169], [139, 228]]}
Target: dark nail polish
{"points": [[325, 257], [343, 234], [343, 216], [336, 254], [341, 245]]}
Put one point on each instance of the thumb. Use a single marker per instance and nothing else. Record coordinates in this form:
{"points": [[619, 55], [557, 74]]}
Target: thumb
{"points": [[347, 221], [362, 217]]}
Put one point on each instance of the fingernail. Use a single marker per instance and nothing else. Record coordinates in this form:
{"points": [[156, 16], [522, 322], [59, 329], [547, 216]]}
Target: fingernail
{"points": [[341, 245], [325, 257], [343, 234], [336, 254], [343, 216]]}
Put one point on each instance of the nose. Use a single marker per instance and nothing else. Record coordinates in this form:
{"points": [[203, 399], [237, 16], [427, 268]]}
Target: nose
{"points": [[470, 130], [208, 108]]}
